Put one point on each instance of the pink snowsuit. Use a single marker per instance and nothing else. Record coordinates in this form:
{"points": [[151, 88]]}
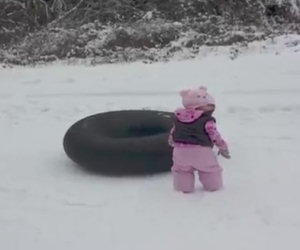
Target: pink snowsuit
{"points": [[188, 158]]}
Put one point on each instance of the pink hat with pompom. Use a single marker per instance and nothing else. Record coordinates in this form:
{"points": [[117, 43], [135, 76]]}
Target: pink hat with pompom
{"points": [[198, 97]]}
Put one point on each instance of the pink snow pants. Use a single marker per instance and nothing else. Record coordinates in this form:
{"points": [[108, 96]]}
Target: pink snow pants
{"points": [[189, 158]]}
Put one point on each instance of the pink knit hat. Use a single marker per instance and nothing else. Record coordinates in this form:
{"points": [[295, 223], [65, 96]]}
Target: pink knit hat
{"points": [[198, 97]]}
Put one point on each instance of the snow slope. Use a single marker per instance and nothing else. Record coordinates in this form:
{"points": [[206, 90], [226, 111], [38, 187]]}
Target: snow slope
{"points": [[46, 203]]}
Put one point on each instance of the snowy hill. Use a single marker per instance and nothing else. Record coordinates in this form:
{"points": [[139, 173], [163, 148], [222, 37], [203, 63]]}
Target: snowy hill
{"points": [[47, 203]]}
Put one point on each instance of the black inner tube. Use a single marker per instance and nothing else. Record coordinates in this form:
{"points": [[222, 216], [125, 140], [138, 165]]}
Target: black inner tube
{"points": [[130, 142]]}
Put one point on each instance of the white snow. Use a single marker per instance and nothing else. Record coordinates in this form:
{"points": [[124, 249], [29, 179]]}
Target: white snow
{"points": [[46, 203]]}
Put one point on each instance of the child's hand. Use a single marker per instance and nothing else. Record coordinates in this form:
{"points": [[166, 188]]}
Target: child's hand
{"points": [[224, 153], [170, 141]]}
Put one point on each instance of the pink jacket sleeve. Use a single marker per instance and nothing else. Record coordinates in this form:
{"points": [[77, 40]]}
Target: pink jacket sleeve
{"points": [[215, 136]]}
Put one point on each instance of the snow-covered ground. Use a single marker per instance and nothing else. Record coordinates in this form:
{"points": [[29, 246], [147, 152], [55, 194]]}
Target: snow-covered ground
{"points": [[46, 203]]}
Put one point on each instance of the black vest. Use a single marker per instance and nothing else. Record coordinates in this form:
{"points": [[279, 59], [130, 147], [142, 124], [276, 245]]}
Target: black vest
{"points": [[194, 132]]}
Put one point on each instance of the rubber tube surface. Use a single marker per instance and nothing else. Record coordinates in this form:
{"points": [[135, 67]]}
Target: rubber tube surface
{"points": [[132, 142]]}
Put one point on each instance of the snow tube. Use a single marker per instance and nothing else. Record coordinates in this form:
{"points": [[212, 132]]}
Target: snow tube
{"points": [[132, 142]]}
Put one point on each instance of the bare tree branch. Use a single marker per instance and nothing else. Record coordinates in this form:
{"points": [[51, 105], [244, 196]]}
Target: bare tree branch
{"points": [[67, 13]]}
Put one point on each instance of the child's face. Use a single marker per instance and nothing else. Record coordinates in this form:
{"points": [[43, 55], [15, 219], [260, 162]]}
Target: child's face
{"points": [[208, 107]]}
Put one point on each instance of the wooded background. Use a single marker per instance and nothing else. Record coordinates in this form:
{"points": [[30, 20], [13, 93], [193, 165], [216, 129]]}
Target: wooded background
{"points": [[31, 21]]}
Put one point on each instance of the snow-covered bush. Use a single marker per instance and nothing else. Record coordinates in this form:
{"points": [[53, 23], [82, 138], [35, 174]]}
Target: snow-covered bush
{"points": [[126, 30]]}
